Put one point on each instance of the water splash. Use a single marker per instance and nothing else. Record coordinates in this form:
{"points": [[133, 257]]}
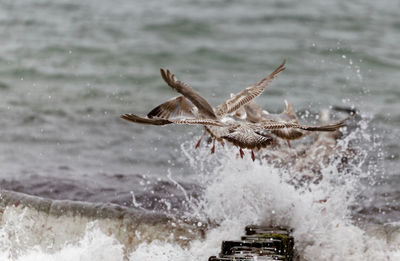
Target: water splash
{"points": [[241, 192], [237, 192]]}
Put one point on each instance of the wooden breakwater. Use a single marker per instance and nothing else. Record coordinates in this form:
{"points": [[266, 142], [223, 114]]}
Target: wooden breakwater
{"points": [[259, 243]]}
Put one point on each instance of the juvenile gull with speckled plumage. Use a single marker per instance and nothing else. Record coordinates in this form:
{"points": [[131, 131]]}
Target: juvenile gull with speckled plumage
{"points": [[191, 108]]}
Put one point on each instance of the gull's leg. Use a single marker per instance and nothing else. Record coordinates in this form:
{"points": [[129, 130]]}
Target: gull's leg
{"points": [[241, 153], [201, 137], [198, 144], [222, 142], [253, 157], [213, 147], [288, 143]]}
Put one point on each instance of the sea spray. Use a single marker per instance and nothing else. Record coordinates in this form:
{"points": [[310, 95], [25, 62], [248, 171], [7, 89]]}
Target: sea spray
{"points": [[239, 192], [236, 192]]}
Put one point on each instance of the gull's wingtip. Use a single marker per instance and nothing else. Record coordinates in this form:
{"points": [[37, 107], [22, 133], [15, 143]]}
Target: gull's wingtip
{"points": [[129, 117], [280, 68], [162, 71], [283, 64], [125, 116], [142, 120]]}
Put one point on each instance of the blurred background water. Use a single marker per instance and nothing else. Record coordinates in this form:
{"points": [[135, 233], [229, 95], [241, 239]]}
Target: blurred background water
{"points": [[69, 68]]}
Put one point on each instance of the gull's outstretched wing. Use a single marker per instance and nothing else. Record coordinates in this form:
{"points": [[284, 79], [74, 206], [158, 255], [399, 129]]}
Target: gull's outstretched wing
{"points": [[274, 125], [207, 122], [159, 121], [289, 134], [187, 91], [138, 119], [247, 94], [328, 127], [176, 107]]}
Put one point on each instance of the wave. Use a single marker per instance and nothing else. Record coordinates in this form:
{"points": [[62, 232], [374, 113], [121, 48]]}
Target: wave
{"points": [[234, 193], [30, 223]]}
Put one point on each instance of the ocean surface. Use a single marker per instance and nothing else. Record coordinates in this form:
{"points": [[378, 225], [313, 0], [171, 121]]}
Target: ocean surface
{"points": [[69, 69]]}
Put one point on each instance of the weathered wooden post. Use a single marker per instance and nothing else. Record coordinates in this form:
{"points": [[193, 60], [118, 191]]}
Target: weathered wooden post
{"points": [[259, 243]]}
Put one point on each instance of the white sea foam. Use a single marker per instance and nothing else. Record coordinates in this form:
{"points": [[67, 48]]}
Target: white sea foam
{"points": [[94, 245]]}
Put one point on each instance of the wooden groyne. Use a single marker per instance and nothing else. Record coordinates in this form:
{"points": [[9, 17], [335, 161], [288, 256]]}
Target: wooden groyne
{"points": [[259, 243]]}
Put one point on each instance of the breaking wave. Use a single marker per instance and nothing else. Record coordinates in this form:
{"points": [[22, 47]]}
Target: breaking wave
{"points": [[320, 204]]}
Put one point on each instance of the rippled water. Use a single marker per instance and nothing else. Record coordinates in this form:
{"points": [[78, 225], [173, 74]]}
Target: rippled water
{"points": [[68, 69]]}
